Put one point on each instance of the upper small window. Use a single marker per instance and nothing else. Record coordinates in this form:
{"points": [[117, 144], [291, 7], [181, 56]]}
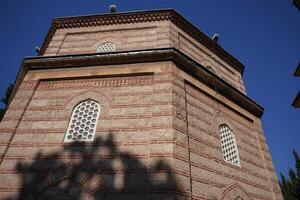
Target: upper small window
{"points": [[83, 122], [228, 145], [106, 47]]}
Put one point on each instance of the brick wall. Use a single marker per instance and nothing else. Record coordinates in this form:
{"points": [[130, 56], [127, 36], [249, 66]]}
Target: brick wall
{"points": [[125, 36], [197, 147], [157, 137], [133, 136], [140, 36]]}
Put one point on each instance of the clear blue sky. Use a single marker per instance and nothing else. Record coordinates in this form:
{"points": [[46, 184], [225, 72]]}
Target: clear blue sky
{"points": [[263, 34]]}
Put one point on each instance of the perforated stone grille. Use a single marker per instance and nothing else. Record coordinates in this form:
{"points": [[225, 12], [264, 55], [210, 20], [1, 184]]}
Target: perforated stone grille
{"points": [[106, 47], [83, 122], [228, 144]]}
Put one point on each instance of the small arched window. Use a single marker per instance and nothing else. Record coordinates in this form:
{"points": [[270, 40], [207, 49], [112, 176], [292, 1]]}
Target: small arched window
{"points": [[228, 145], [83, 122], [106, 47]]}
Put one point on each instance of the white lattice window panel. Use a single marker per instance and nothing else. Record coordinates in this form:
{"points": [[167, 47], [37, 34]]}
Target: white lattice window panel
{"points": [[228, 145], [83, 122], [106, 47]]}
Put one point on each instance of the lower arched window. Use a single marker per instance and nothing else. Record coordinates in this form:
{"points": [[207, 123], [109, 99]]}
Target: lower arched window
{"points": [[228, 145], [83, 122]]}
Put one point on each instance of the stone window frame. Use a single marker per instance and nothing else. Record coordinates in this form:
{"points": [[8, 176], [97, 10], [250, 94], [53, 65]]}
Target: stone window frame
{"points": [[86, 129], [231, 154], [220, 119]]}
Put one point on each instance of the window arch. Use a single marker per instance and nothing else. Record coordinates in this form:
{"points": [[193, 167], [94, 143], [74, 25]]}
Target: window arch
{"points": [[83, 122], [106, 47], [228, 145]]}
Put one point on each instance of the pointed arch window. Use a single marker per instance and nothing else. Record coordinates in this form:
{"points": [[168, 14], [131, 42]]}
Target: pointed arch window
{"points": [[83, 122], [228, 145]]}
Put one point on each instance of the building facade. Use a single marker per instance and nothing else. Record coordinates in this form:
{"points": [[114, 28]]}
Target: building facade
{"points": [[138, 105]]}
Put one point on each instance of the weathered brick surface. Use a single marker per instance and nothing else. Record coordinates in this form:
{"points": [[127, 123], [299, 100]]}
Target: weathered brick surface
{"points": [[157, 136], [140, 36], [152, 118], [126, 37], [136, 112], [14, 114], [209, 172]]}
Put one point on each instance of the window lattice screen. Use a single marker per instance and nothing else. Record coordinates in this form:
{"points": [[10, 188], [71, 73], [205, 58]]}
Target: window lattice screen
{"points": [[83, 122], [106, 47], [228, 145]]}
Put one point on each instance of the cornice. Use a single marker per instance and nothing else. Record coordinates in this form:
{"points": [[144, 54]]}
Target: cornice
{"points": [[296, 102], [139, 17], [143, 56], [297, 71]]}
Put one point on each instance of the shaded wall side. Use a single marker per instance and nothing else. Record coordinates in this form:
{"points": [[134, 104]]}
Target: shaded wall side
{"points": [[14, 114], [211, 175]]}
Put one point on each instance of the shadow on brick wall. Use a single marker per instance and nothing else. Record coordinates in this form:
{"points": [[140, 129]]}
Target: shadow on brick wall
{"points": [[95, 170]]}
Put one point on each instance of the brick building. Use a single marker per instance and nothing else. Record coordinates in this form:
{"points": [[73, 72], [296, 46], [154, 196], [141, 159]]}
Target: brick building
{"points": [[138, 105]]}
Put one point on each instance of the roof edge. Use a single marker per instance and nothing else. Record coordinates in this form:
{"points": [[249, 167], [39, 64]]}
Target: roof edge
{"points": [[296, 102], [144, 56], [297, 71]]}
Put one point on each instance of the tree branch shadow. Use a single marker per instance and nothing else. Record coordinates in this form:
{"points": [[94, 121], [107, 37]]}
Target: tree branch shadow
{"points": [[97, 170]]}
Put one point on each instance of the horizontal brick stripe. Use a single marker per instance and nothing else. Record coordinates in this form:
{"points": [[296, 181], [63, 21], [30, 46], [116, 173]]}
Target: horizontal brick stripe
{"points": [[7, 130], [142, 171], [198, 95], [242, 180], [241, 131], [103, 82], [139, 155], [208, 156], [136, 105], [223, 162], [214, 135], [204, 181], [119, 94], [108, 117], [62, 144]]}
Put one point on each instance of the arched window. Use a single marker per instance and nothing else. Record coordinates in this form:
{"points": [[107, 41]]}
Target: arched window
{"points": [[228, 145], [106, 47], [83, 122]]}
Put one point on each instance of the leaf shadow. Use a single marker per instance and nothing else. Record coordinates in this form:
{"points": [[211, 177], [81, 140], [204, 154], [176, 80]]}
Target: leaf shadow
{"points": [[97, 170]]}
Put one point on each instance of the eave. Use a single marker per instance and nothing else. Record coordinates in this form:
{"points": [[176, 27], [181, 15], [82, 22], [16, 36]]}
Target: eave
{"points": [[297, 71], [296, 102], [142, 56], [139, 17], [297, 3]]}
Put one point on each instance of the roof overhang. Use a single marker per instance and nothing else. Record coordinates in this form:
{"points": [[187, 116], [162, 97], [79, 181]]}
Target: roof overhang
{"points": [[296, 102], [297, 71], [138, 17], [143, 56], [297, 3]]}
